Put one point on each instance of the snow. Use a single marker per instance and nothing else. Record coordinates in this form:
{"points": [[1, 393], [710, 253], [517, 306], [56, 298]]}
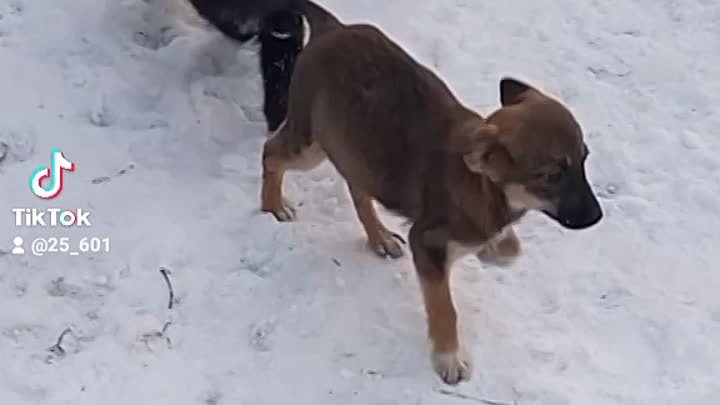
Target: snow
{"points": [[162, 117]]}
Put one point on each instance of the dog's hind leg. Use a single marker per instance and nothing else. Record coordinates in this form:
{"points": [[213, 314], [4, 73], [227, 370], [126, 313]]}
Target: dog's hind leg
{"points": [[380, 239], [283, 152]]}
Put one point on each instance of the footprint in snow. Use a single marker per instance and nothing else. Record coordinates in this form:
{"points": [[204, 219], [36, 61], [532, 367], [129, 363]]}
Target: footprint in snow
{"points": [[260, 335], [8, 14], [61, 288], [22, 332], [16, 145], [155, 40], [213, 398], [17, 8]]}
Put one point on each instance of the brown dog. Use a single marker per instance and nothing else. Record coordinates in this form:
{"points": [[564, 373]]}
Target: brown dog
{"points": [[398, 135]]}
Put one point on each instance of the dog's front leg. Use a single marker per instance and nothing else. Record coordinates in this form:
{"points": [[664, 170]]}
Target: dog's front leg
{"points": [[431, 263], [281, 40], [382, 241]]}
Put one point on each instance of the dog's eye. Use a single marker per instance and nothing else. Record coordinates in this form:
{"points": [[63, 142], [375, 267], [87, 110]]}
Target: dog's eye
{"points": [[558, 173], [554, 177], [550, 177]]}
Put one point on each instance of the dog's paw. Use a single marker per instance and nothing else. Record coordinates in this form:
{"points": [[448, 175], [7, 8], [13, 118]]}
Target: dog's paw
{"points": [[283, 212], [491, 258], [502, 251], [388, 245], [452, 367]]}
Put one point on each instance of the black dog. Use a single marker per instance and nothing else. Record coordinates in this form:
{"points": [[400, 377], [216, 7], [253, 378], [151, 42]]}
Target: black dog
{"points": [[278, 25]]}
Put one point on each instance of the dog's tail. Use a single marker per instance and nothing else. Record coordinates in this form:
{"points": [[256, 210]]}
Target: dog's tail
{"points": [[321, 20]]}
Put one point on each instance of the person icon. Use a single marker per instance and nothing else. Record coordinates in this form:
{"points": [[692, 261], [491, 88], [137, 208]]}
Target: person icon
{"points": [[18, 249]]}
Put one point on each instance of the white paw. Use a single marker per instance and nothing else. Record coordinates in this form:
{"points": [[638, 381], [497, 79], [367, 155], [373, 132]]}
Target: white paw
{"points": [[389, 246], [286, 213], [452, 367], [283, 212]]}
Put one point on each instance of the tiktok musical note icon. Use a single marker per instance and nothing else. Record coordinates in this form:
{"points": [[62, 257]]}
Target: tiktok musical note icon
{"points": [[58, 164]]}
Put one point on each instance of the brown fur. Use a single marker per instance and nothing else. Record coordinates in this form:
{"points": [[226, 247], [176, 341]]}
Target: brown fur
{"points": [[397, 135]]}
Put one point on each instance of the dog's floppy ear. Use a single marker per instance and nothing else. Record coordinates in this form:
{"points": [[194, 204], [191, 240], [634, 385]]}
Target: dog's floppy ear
{"points": [[471, 136], [513, 91], [492, 160], [481, 149]]}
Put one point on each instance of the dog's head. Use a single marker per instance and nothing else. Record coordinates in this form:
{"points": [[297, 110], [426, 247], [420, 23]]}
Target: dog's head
{"points": [[533, 148]]}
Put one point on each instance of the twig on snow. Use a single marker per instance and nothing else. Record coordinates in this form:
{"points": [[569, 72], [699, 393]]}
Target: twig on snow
{"points": [[146, 338], [469, 398], [165, 272], [57, 348], [105, 179], [125, 170]]}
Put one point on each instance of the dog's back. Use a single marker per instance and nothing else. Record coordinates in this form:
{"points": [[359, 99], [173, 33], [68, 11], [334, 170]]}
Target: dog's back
{"points": [[373, 116]]}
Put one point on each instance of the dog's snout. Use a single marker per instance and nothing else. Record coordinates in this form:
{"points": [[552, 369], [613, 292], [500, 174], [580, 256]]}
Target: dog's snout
{"points": [[578, 207], [584, 215]]}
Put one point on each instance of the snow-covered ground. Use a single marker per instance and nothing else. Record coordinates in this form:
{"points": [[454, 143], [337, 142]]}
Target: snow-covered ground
{"points": [[162, 117]]}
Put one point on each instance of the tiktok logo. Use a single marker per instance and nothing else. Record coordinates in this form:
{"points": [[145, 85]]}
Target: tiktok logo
{"points": [[58, 163]]}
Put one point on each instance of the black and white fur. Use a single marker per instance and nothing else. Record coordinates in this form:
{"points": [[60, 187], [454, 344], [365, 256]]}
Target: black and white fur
{"points": [[278, 25]]}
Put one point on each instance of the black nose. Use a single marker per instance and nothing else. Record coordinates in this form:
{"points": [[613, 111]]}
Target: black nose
{"points": [[584, 217], [578, 207]]}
